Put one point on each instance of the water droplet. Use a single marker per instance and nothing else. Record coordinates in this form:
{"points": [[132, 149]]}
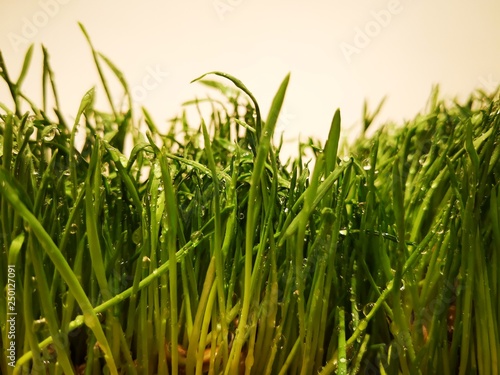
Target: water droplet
{"points": [[137, 236], [196, 237], [368, 308], [73, 228], [441, 269], [49, 133]]}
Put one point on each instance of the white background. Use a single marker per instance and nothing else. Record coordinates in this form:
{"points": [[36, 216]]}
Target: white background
{"points": [[339, 53]]}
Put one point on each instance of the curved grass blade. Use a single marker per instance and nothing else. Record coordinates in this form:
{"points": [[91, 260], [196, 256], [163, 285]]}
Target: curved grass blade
{"points": [[242, 87], [259, 164], [25, 68], [99, 70], [62, 267], [85, 103]]}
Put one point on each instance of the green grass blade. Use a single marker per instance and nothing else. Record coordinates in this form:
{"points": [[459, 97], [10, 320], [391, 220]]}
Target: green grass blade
{"points": [[332, 144], [99, 70], [242, 87], [262, 154], [25, 68], [62, 267]]}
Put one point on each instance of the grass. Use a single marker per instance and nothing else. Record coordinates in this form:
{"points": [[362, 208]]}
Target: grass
{"points": [[200, 251]]}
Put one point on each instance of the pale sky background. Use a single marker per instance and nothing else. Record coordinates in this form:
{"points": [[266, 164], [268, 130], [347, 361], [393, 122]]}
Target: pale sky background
{"points": [[339, 53]]}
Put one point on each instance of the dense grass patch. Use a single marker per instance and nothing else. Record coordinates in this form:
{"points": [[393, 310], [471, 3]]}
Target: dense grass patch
{"points": [[201, 250]]}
